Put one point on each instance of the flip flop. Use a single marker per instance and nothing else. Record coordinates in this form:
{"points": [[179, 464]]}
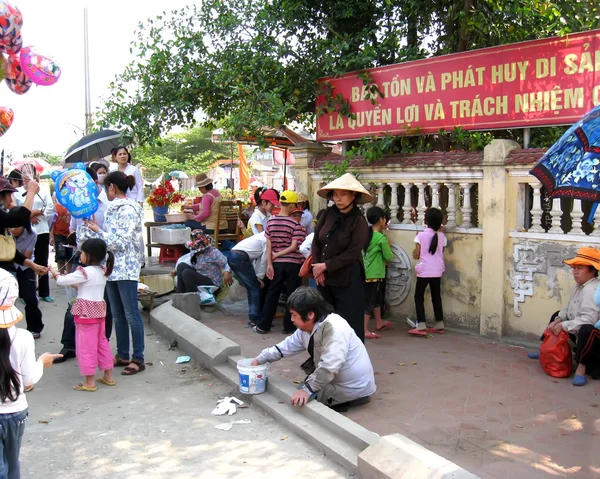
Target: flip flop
{"points": [[579, 380], [417, 332], [437, 331], [108, 383], [371, 335], [81, 387], [29, 388], [386, 324]]}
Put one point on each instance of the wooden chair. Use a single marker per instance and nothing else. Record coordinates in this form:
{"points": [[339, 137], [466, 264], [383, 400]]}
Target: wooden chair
{"points": [[231, 211]]}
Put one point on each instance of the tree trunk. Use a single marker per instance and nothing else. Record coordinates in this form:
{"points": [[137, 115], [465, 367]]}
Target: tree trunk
{"points": [[463, 38]]}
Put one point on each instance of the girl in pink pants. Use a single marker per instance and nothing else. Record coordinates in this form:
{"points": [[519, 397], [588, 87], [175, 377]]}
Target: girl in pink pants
{"points": [[89, 309]]}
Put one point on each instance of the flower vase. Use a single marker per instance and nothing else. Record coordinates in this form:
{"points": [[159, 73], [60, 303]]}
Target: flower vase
{"points": [[159, 213]]}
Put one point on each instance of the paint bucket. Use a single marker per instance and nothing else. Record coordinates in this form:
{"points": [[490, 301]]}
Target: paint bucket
{"points": [[253, 379]]}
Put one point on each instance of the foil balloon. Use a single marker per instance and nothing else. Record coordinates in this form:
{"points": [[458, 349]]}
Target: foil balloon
{"points": [[39, 69], [14, 77], [11, 22], [76, 191], [13, 45], [6, 119]]}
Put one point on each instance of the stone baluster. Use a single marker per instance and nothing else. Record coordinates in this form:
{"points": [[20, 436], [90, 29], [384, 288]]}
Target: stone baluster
{"points": [[577, 217], [596, 231], [555, 214], [366, 206], [536, 210], [467, 209], [435, 194], [421, 206], [394, 206], [380, 198], [407, 207], [451, 209]]}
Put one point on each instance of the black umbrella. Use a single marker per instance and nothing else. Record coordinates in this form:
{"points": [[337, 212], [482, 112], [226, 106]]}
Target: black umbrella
{"points": [[94, 146]]}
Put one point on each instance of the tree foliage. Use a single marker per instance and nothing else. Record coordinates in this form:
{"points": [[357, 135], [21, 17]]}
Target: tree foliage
{"points": [[53, 160], [251, 64]]}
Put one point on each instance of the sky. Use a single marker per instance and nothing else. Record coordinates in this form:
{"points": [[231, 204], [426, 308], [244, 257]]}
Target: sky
{"points": [[52, 118]]}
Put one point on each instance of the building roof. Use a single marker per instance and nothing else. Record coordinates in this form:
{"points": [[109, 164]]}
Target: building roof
{"points": [[525, 157]]}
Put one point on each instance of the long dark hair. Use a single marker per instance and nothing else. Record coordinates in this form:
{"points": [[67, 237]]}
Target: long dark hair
{"points": [[433, 219], [96, 250], [374, 214], [10, 384], [121, 181]]}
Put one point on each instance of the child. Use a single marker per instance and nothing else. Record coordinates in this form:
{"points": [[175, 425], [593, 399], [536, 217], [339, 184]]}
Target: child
{"points": [[284, 235], [18, 369], [429, 250], [25, 239], [91, 346], [60, 231], [267, 201], [377, 254]]}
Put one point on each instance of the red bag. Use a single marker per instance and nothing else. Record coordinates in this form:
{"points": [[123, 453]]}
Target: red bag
{"points": [[306, 269], [555, 354]]}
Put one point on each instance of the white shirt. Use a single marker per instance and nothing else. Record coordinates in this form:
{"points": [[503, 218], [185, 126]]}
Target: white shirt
{"points": [[307, 222], [258, 218], [22, 358], [256, 248], [90, 281], [307, 245], [43, 202], [137, 193]]}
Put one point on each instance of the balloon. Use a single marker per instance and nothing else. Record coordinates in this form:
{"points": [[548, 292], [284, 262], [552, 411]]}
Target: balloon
{"points": [[14, 77], [11, 22], [76, 191], [39, 69], [13, 45], [6, 119]]}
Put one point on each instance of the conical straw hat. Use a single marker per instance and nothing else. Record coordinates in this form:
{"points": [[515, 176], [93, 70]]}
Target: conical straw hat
{"points": [[347, 182]]}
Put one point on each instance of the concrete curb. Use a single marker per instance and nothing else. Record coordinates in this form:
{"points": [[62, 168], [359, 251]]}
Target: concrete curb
{"points": [[353, 446]]}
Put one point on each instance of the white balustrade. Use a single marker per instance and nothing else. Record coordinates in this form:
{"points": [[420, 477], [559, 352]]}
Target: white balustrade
{"points": [[380, 197], [394, 206], [421, 206], [596, 231], [435, 194], [536, 210], [467, 209], [577, 217], [555, 216], [369, 205], [407, 207]]}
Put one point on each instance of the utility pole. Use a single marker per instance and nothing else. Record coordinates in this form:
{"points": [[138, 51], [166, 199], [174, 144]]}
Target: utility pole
{"points": [[86, 63]]}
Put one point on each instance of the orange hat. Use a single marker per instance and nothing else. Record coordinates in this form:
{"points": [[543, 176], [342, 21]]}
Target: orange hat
{"points": [[587, 257]]}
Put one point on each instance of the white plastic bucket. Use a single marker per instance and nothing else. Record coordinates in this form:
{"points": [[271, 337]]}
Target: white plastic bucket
{"points": [[253, 379]]}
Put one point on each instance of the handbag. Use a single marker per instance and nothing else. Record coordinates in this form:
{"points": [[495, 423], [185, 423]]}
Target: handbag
{"points": [[8, 247], [306, 269]]}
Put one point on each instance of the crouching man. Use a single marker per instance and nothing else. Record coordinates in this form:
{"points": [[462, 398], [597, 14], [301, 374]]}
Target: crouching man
{"points": [[340, 374]]}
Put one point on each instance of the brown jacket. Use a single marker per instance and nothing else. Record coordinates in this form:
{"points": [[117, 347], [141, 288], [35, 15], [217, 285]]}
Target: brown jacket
{"points": [[338, 242]]}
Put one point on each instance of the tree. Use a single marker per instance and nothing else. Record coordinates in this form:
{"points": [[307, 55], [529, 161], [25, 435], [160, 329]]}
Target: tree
{"points": [[254, 63], [53, 160]]}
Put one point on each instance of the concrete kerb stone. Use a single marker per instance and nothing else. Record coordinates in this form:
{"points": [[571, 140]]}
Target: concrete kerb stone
{"points": [[396, 456], [199, 341]]}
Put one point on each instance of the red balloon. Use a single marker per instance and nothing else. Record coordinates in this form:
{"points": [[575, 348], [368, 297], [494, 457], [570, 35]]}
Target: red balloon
{"points": [[14, 77]]}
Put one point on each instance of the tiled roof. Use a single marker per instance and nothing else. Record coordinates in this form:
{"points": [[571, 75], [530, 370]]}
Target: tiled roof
{"points": [[525, 157], [435, 158]]}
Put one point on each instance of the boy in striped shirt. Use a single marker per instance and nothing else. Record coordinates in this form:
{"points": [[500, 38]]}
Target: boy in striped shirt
{"points": [[284, 236]]}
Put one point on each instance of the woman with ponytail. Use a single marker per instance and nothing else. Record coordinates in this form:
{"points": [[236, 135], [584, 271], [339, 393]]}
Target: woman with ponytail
{"points": [[429, 250], [89, 309], [18, 370]]}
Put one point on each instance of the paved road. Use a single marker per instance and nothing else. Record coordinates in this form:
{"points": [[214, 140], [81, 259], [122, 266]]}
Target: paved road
{"points": [[155, 425]]}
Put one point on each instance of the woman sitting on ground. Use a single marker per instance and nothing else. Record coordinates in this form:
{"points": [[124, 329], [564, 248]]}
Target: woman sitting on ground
{"points": [[207, 266]]}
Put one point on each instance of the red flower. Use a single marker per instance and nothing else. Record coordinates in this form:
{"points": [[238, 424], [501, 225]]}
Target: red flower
{"points": [[164, 195]]}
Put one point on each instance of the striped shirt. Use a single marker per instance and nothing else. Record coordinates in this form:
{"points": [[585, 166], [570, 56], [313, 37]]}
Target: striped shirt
{"points": [[282, 230]]}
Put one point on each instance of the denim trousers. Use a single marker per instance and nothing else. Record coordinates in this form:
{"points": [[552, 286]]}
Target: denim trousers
{"points": [[123, 298], [240, 264], [12, 427]]}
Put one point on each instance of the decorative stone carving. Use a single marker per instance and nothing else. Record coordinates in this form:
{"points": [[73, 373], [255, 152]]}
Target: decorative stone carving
{"points": [[399, 276], [531, 258]]}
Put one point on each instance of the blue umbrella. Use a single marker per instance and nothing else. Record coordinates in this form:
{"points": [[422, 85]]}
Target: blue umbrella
{"points": [[178, 174], [571, 167]]}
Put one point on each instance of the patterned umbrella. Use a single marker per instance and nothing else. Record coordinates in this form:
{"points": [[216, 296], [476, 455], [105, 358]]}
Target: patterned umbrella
{"points": [[571, 167]]}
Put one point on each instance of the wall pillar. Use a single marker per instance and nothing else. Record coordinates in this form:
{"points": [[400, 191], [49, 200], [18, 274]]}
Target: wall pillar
{"points": [[304, 155], [495, 236]]}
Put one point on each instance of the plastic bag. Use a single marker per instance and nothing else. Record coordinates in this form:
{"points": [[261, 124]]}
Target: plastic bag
{"points": [[207, 296], [555, 354]]}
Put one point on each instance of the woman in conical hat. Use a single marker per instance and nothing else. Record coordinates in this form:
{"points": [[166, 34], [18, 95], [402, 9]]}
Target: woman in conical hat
{"points": [[340, 236]]}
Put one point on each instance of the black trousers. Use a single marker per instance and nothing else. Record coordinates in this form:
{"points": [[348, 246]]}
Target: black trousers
{"points": [[286, 279], [349, 301], [436, 298], [40, 254], [581, 340], [68, 334], [33, 315], [188, 279]]}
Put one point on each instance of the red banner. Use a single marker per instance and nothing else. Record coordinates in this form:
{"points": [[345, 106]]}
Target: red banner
{"points": [[546, 82]]}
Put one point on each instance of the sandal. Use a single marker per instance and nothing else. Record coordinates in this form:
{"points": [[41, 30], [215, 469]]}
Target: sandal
{"points": [[434, 330], [81, 387], [256, 329], [418, 332], [118, 362], [108, 383], [371, 335], [386, 324], [129, 371]]}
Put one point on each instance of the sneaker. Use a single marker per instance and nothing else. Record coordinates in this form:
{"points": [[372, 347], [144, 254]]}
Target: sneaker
{"points": [[439, 325], [48, 299], [256, 329]]}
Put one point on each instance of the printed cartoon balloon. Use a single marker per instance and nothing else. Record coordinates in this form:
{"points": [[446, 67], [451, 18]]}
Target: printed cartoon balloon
{"points": [[11, 22], [13, 45], [6, 119], [76, 191], [14, 77], [38, 68]]}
